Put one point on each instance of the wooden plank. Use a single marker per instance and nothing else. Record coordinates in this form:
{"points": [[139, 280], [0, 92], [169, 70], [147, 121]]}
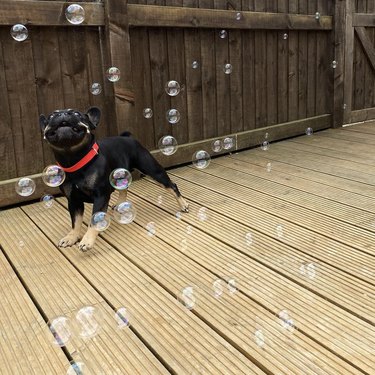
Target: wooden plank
{"points": [[370, 76], [24, 350], [118, 46], [302, 66], [156, 315], [367, 45], [311, 66], [163, 16], [362, 115], [47, 13], [363, 20], [65, 292]]}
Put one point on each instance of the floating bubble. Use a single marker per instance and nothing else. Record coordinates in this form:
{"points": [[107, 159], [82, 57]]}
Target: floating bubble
{"points": [[286, 322], [120, 179], [201, 159], [48, 200], [172, 88], [183, 244], [217, 145], [60, 328], [78, 368], [309, 131], [124, 213], [75, 14], [159, 200], [188, 297], [259, 338], [96, 88], [223, 34], [344, 106], [334, 64], [228, 143], [231, 285], [308, 270], [218, 288], [147, 113], [167, 145], [265, 145], [228, 68], [53, 175], [25, 187], [100, 221], [202, 214], [249, 239], [279, 231], [19, 32], [151, 228], [122, 318], [21, 244], [317, 15], [195, 64], [269, 167], [238, 16], [178, 215], [113, 74], [88, 321], [173, 116], [285, 36], [189, 229]]}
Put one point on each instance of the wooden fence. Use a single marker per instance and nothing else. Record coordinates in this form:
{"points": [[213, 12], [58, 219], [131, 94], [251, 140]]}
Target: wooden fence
{"points": [[295, 64]]}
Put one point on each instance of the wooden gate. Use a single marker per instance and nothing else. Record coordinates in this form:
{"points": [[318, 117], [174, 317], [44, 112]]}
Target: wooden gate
{"points": [[288, 67]]}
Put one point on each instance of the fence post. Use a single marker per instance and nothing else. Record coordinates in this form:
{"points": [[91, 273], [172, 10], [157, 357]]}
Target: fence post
{"points": [[343, 76], [119, 55]]}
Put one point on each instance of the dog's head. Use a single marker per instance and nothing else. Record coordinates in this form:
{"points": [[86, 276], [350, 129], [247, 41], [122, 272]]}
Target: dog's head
{"points": [[69, 129]]}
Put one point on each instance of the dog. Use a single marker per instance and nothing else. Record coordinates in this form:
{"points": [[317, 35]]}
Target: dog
{"points": [[88, 165]]}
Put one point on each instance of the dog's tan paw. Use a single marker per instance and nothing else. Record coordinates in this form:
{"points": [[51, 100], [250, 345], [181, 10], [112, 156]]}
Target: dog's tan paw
{"points": [[69, 240], [88, 240], [184, 206]]}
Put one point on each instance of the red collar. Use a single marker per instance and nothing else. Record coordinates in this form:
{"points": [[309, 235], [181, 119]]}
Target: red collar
{"points": [[87, 158]]}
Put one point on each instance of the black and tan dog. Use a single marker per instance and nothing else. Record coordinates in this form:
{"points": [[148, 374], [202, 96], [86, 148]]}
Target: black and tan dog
{"points": [[88, 165]]}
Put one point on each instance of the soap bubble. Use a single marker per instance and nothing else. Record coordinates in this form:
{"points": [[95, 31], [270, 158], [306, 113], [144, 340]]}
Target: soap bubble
{"points": [[308, 270], [265, 145], [96, 88], [286, 322], [231, 285], [202, 214], [53, 175], [248, 239], [159, 200], [201, 159], [228, 68], [75, 14], [19, 32], [151, 228], [228, 143], [309, 131], [122, 318], [60, 327], [172, 88], [218, 288], [183, 244], [100, 221], [88, 321], [269, 167], [147, 113], [113, 74], [217, 145], [279, 231], [317, 15], [285, 36], [25, 186], [189, 229], [120, 179], [124, 213], [173, 116], [178, 215], [238, 16], [195, 64], [78, 368], [47, 200], [223, 34], [167, 145], [259, 338], [334, 64], [188, 297]]}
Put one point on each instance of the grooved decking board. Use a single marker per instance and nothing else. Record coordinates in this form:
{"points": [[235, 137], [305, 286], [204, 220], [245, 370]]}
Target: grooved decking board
{"points": [[184, 342], [236, 317], [60, 290], [22, 351]]}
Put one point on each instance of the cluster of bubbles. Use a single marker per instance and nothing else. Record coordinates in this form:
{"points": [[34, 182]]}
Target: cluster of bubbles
{"points": [[218, 287], [308, 270], [188, 297]]}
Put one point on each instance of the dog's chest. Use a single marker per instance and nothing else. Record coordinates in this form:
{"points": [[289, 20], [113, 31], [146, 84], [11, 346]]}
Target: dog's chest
{"points": [[84, 186]]}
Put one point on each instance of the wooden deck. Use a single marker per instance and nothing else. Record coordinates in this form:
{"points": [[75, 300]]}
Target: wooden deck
{"points": [[289, 233]]}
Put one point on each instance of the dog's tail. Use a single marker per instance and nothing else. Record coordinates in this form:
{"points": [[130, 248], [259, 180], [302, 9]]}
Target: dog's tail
{"points": [[126, 134]]}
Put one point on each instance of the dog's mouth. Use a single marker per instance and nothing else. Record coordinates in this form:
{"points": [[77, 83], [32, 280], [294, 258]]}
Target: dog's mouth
{"points": [[66, 135]]}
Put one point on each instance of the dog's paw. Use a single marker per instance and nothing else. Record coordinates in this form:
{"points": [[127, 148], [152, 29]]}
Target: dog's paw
{"points": [[88, 240], [69, 240], [185, 207]]}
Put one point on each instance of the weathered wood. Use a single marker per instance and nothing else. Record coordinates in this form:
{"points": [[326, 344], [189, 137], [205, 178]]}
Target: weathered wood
{"points": [[367, 45], [47, 13], [363, 20], [161, 16], [362, 115]]}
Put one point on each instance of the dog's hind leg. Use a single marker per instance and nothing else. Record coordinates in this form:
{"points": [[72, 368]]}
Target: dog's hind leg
{"points": [[173, 189]]}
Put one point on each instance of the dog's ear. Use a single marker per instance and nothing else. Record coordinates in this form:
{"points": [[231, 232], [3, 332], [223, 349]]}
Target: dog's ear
{"points": [[43, 122], [93, 114]]}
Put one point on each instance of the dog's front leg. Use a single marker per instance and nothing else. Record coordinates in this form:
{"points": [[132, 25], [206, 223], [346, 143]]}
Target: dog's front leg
{"points": [[76, 214], [88, 240]]}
